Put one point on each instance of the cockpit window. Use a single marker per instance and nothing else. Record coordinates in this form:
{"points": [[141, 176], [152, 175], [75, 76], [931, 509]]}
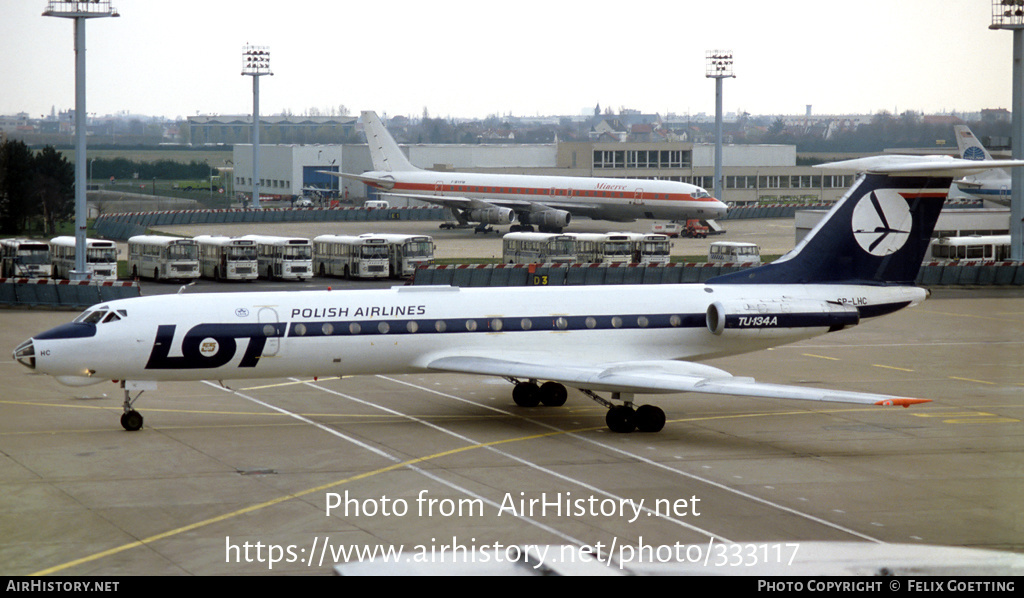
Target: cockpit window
{"points": [[92, 317], [103, 315]]}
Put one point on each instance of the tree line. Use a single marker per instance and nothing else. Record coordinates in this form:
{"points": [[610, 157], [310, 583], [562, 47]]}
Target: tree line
{"points": [[37, 189], [165, 170]]}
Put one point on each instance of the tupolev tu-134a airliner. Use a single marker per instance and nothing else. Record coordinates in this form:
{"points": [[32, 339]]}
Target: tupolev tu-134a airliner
{"points": [[858, 263], [525, 201]]}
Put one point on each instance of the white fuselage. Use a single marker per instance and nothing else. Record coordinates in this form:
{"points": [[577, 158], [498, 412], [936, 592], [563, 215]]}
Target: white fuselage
{"points": [[598, 198], [221, 336]]}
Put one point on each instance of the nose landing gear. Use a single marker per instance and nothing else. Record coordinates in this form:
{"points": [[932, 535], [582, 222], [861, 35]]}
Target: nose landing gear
{"points": [[131, 419]]}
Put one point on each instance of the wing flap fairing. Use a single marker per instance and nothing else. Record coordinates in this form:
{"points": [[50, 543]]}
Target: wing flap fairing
{"points": [[645, 377]]}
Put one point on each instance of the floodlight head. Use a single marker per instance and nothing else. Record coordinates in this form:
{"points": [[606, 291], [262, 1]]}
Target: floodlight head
{"points": [[1007, 14], [719, 64], [80, 10], [256, 60]]}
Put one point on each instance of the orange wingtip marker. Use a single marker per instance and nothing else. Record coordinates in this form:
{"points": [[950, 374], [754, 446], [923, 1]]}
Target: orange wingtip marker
{"points": [[903, 402]]}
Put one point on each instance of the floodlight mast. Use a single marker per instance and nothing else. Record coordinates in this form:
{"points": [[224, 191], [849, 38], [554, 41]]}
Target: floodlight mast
{"points": [[80, 11], [1009, 14], [718, 67], [256, 63]]}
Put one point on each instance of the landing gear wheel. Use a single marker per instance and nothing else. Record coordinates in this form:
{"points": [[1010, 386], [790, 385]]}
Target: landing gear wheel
{"points": [[621, 419], [553, 394], [131, 420], [526, 394], [649, 418]]}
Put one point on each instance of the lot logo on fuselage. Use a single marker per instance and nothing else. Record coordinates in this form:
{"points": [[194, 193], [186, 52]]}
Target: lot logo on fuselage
{"points": [[881, 222], [208, 346]]}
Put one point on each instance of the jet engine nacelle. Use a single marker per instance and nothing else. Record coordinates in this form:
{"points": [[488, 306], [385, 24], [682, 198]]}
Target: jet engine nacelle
{"points": [[783, 317], [491, 215], [556, 219]]}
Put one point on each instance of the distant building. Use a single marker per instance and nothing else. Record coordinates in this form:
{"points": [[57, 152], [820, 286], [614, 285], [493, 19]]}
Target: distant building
{"points": [[232, 129]]}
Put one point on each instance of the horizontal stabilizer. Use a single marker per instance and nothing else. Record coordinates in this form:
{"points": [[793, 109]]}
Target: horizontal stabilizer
{"points": [[900, 165]]}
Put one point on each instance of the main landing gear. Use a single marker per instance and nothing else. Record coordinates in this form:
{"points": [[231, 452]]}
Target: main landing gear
{"points": [[620, 418], [131, 419]]}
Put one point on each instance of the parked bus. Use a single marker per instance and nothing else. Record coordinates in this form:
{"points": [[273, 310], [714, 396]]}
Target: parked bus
{"points": [[287, 258], [349, 256], [25, 258], [651, 248], [734, 252], [406, 252], [227, 258], [977, 247], [160, 257], [604, 248], [538, 248], [100, 258]]}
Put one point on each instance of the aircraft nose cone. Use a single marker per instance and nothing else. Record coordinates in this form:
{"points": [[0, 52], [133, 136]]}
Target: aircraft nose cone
{"points": [[25, 354]]}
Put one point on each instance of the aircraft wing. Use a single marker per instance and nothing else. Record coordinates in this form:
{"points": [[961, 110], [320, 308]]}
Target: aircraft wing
{"points": [[901, 165], [644, 377]]}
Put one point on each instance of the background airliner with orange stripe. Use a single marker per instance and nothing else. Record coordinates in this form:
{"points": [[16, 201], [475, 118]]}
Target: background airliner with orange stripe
{"points": [[525, 201]]}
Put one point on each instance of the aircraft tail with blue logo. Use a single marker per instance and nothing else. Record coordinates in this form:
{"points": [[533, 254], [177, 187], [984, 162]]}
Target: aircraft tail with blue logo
{"points": [[878, 232]]}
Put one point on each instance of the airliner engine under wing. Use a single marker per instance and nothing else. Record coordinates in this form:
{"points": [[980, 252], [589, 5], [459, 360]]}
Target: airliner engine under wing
{"points": [[860, 262], [549, 202]]}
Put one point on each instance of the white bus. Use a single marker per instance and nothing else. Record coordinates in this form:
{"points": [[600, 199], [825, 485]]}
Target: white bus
{"points": [[227, 258], [406, 252], [348, 256], [25, 258], [287, 258], [604, 248], [734, 252], [160, 257], [100, 258], [538, 248], [651, 248], [977, 247]]}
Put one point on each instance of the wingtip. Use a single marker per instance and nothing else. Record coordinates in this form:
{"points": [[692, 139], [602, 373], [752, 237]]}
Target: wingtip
{"points": [[902, 402]]}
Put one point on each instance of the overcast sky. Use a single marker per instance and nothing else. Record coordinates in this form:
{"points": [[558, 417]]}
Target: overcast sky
{"points": [[526, 58]]}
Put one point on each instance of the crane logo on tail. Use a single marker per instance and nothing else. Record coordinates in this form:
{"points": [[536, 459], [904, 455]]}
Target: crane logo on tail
{"points": [[882, 222]]}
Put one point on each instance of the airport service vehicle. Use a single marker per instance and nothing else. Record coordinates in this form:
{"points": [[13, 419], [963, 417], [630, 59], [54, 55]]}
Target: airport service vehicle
{"points": [[670, 229], [25, 258], [347, 256], [975, 247], [651, 248], [857, 264], [227, 258], [161, 257], [538, 248], [604, 248], [100, 258], [283, 258], [695, 230], [734, 252], [546, 202], [406, 252]]}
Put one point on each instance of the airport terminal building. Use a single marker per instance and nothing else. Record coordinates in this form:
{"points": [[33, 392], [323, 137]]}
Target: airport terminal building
{"points": [[751, 173]]}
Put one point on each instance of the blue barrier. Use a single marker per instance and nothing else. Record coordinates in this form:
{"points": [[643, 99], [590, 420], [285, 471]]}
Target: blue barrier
{"points": [[44, 292], [972, 274]]}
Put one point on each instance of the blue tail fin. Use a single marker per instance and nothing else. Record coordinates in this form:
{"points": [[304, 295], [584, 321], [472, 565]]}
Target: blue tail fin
{"points": [[876, 234]]}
